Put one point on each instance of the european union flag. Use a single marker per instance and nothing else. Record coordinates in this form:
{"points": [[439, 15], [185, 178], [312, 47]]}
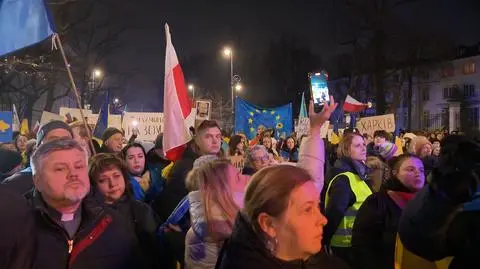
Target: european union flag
{"points": [[6, 122], [249, 117], [102, 122], [23, 23]]}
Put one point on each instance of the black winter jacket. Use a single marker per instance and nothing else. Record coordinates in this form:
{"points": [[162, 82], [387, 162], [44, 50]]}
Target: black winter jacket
{"points": [[245, 249], [104, 240], [144, 222], [375, 229], [434, 227], [16, 228]]}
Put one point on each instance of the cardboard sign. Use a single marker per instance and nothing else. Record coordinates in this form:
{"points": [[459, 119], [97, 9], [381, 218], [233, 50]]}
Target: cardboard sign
{"points": [[303, 127], [149, 125], [48, 117], [6, 130], [371, 124]]}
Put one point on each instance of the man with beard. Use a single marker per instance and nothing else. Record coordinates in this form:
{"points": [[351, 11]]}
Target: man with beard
{"points": [[70, 232]]}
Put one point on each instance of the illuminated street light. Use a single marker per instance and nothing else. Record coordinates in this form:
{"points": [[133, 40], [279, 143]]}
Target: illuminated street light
{"points": [[97, 73], [191, 88], [238, 87], [227, 51]]}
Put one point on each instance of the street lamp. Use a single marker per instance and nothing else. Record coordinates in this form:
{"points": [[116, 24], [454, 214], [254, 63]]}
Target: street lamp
{"points": [[238, 87], [192, 89], [228, 52], [97, 73], [116, 101]]}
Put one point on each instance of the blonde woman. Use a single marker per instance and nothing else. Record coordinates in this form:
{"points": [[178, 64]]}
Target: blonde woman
{"points": [[215, 198]]}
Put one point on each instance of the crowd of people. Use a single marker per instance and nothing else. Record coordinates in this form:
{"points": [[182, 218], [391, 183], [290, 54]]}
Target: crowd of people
{"points": [[70, 202]]}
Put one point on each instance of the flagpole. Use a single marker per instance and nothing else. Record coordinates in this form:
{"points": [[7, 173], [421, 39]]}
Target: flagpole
{"points": [[74, 87]]}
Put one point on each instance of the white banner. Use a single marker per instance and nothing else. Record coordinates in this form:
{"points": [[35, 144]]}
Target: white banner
{"points": [[149, 125], [303, 128], [113, 120]]}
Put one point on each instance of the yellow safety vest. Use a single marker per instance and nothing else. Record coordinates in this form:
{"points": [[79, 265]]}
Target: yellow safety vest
{"points": [[343, 234]]}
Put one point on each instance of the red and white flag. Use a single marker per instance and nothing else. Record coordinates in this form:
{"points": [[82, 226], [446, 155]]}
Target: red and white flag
{"points": [[36, 128], [176, 105], [352, 105]]}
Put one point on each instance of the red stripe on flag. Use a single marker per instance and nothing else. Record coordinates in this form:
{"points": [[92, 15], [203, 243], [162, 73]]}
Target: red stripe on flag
{"points": [[182, 93], [348, 107], [175, 153]]}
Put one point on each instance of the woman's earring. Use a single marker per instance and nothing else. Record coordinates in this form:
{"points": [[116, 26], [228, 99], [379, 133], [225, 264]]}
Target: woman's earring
{"points": [[272, 245]]}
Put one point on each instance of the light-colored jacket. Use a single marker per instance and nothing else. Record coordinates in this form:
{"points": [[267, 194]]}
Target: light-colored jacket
{"points": [[312, 158], [201, 246]]}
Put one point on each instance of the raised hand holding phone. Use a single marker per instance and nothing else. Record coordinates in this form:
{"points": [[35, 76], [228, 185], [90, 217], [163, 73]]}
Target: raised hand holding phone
{"points": [[318, 119]]}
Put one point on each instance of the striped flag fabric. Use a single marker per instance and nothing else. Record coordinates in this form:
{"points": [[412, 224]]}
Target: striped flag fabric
{"points": [[176, 105], [352, 105]]}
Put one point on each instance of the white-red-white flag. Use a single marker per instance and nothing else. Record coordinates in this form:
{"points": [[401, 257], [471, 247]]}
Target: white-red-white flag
{"points": [[176, 105], [352, 105]]}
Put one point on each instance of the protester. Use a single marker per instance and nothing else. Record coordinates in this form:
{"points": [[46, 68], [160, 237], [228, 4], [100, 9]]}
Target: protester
{"points": [[289, 151], [443, 218], [280, 226], [112, 140], [375, 230], [71, 232], [344, 195], [109, 177], [21, 182], [215, 198], [146, 182], [236, 146]]}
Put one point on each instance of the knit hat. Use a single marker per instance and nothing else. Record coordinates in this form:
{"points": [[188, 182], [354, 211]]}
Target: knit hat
{"points": [[49, 126], [109, 132], [9, 160], [387, 150]]}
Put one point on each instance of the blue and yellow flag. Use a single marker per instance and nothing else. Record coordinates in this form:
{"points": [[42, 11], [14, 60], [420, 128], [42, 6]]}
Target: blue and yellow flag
{"points": [[23, 23], [6, 122], [249, 117]]}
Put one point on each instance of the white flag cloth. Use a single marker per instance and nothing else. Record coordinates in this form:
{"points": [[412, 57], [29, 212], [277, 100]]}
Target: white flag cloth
{"points": [[176, 105]]}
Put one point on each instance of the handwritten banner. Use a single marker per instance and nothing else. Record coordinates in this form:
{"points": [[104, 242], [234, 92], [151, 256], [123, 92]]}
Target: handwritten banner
{"points": [[371, 124], [149, 125]]}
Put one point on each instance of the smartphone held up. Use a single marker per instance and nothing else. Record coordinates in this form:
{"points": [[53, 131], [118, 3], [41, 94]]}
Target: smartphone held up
{"points": [[319, 89]]}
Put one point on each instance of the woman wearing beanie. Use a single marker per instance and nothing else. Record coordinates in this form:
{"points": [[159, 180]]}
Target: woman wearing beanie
{"points": [[375, 229]]}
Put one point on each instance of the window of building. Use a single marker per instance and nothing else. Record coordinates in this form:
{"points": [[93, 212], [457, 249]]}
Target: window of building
{"points": [[469, 68], [426, 119], [474, 116], [425, 93], [469, 90]]}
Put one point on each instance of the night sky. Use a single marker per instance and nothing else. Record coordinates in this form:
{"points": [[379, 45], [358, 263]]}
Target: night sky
{"points": [[204, 27]]}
